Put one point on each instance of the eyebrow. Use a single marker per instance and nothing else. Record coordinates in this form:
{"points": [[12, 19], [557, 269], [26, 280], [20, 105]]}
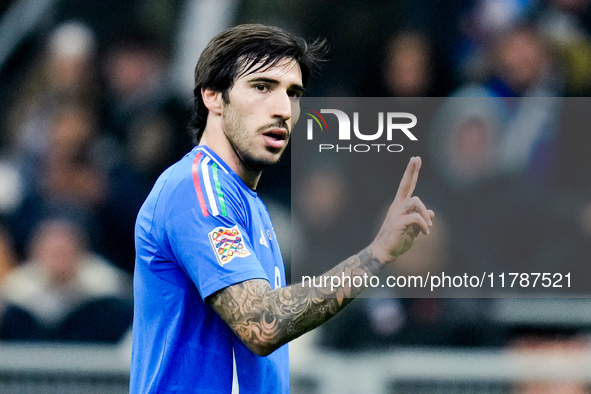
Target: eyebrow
{"points": [[293, 87]]}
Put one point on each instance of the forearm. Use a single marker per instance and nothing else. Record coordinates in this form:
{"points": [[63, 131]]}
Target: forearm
{"points": [[266, 318]]}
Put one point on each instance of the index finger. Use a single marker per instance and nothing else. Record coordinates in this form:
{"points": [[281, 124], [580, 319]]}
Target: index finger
{"points": [[409, 179]]}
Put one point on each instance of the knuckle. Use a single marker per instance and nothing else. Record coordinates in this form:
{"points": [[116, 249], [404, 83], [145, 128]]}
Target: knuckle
{"points": [[415, 203], [420, 220], [417, 217]]}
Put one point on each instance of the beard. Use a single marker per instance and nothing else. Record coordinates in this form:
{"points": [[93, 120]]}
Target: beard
{"points": [[244, 143]]}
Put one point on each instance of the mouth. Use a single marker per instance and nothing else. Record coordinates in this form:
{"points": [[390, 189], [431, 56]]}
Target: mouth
{"points": [[275, 138]]}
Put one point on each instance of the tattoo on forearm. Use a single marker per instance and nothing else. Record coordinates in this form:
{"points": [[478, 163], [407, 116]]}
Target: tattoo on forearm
{"points": [[268, 318]]}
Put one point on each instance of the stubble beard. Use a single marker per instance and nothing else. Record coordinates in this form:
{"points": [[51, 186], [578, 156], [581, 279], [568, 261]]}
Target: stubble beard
{"points": [[242, 142]]}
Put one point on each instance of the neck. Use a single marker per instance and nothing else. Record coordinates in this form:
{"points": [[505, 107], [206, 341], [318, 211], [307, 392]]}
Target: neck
{"points": [[217, 142]]}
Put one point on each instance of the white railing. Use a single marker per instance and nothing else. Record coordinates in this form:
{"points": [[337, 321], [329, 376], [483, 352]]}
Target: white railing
{"points": [[51, 368]]}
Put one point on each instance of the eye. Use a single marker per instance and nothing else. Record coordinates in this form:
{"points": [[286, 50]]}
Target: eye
{"points": [[294, 94], [261, 87]]}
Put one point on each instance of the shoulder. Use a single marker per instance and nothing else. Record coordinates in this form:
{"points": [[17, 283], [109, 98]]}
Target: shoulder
{"points": [[199, 186], [217, 187]]}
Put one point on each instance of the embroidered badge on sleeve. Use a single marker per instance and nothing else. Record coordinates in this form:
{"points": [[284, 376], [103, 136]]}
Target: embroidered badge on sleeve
{"points": [[227, 243]]}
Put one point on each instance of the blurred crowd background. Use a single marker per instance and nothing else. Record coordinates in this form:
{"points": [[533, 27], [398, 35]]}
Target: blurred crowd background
{"points": [[95, 97]]}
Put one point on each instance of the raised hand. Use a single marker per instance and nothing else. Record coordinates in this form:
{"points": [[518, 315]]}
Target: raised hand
{"points": [[406, 218]]}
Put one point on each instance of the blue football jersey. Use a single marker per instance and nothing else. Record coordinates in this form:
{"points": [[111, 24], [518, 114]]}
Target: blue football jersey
{"points": [[200, 230]]}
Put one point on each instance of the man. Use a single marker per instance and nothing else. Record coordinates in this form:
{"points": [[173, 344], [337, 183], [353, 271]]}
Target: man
{"points": [[209, 281]]}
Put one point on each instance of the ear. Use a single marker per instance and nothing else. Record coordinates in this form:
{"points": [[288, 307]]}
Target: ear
{"points": [[212, 100]]}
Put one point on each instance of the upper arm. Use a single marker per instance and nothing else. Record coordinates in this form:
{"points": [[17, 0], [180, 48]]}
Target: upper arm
{"points": [[213, 247], [214, 252]]}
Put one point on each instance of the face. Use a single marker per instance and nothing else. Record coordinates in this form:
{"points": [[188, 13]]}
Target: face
{"points": [[408, 66], [261, 111], [522, 60], [58, 249]]}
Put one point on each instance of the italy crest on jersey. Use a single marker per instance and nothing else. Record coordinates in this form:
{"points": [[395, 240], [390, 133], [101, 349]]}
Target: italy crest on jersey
{"points": [[227, 243]]}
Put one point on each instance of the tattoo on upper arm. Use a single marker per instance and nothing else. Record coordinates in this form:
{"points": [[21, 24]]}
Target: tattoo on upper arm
{"points": [[265, 317]]}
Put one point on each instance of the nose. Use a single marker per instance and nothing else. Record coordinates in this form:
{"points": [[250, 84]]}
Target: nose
{"points": [[282, 105]]}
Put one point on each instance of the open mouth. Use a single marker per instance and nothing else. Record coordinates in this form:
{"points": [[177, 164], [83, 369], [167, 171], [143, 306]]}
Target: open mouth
{"points": [[277, 134], [275, 138]]}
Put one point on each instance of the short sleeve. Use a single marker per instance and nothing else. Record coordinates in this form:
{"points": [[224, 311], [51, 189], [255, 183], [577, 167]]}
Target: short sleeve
{"points": [[215, 251]]}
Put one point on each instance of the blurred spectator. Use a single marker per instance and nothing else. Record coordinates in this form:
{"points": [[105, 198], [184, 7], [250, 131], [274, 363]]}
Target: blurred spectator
{"points": [[525, 67], [464, 141], [319, 217], [133, 70], [66, 175], [147, 125], [497, 223], [524, 78], [479, 197], [521, 96], [140, 110], [65, 72], [480, 24], [72, 293], [408, 69], [504, 218], [15, 322], [566, 24], [522, 65], [48, 134]]}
